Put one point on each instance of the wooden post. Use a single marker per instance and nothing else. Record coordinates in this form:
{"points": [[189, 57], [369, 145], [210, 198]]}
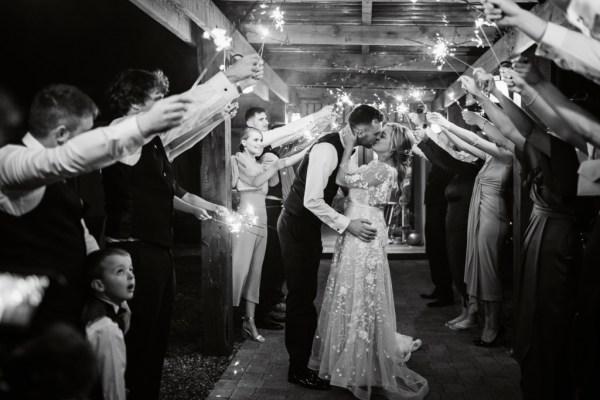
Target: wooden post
{"points": [[215, 172]]}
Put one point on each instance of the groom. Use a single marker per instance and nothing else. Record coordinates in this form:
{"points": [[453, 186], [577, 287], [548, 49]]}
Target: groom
{"points": [[299, 228]]}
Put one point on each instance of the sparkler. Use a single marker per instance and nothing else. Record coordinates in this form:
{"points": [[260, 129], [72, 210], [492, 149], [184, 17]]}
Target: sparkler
{"points": [[264, 33], [479, 23], [222, 41], [240, 221]]}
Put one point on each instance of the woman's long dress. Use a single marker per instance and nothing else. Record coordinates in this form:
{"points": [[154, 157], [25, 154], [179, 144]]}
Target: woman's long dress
{"points": [[551, 258], [458, 195], [356, 345], [487, 230], [249, 245]]}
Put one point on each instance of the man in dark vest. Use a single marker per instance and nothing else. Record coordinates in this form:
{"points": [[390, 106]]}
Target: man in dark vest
{"points": [[299, 229], [141, 195], [41, 225]]}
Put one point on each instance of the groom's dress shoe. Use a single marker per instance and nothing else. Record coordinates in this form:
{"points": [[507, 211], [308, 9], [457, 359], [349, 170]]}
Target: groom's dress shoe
{"points": [[308, 379]]}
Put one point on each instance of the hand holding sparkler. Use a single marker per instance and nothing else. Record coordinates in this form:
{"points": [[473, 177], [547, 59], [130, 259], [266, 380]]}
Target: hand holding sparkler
{"points": [[514, 81], [468, 84], [503, 12], [230, 110], [528, 71], [245, 70], [200, 213], [473, 119], [437, 119], [485, 81]]}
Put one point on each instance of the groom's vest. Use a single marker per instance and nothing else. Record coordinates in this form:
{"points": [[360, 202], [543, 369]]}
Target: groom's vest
{"points": [[294, 203]]}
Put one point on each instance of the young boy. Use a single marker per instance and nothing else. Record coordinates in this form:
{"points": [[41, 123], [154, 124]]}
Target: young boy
{"points": [[106, 315]]}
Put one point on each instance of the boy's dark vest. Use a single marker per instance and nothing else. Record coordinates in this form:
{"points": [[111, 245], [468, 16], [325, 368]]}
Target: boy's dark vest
{"points": [[294, 203], [139, 198]]}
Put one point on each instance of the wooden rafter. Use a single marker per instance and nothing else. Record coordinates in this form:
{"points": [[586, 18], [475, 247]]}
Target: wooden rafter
{"points": [[178, 16], [374, 35], [371, 62], [367, 16]]}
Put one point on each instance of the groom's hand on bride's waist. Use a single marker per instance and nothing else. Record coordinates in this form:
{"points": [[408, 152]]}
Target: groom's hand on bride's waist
{"points": [[362, 229]]}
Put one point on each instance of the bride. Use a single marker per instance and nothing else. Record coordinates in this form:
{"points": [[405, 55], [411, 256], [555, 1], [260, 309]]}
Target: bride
{"points": [[356, 345]]}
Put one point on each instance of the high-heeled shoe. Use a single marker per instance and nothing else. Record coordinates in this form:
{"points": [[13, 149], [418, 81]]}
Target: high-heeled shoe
{"points": [[248, 331], [479, 342]]}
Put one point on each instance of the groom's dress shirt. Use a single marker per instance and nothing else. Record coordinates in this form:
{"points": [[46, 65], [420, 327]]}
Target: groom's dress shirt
{"points": [[26, 170], [322, 162]]}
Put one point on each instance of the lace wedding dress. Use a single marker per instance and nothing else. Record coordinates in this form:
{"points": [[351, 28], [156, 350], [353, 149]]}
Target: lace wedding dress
{"points": [[356, 345]]}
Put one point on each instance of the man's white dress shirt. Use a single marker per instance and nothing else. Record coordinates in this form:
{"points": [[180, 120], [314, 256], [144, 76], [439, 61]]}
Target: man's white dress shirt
{"points": [[25, 171], [322, 161]]}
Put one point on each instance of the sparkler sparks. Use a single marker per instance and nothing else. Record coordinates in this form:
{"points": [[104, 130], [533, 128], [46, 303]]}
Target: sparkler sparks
{"points": [[441, 50], [402, 108], [278, 21]]}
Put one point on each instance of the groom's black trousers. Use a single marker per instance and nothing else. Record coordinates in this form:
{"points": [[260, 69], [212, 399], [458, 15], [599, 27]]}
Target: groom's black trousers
{"points": [[301, 248]]}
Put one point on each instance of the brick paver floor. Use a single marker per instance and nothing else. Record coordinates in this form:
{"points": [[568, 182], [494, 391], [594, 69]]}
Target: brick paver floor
{"points": [[455, 369]]}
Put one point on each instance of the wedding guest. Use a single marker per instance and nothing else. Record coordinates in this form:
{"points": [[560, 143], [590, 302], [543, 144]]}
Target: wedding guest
{"points": [[250, 177], [110, 283], [464, 168], [273, 274], [41, 223], [141, 195], [551, 255], [488, 225], [436, 207]]}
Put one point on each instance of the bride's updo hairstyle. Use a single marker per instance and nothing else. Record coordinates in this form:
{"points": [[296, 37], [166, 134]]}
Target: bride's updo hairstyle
{"points": [[402, 141]]}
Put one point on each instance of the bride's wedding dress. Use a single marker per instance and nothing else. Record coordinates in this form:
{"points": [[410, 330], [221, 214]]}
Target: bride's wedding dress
{"points": [[356, 345]]}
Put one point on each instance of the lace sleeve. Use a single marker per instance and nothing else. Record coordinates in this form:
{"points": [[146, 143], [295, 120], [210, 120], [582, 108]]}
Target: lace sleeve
{"points": [[372, 174]]}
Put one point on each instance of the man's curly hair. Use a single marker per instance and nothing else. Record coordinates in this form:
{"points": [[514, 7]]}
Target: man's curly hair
{"points": [[134, 86]]}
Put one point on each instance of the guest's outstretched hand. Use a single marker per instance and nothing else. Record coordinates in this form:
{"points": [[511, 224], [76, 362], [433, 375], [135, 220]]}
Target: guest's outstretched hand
{"points": [[164, 114], [221, 211], [248, 68], [468, 84], [514, 81], [484, 80], [201, 214], [438, 119], [504, 13], [472, 118], [527, 71], [230, 110]]}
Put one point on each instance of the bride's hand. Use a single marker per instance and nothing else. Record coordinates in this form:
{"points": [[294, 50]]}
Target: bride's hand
{"points": [[349, 139]]}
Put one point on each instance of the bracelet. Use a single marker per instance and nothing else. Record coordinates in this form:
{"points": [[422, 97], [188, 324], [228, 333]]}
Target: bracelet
{"points": [[532, 100]]}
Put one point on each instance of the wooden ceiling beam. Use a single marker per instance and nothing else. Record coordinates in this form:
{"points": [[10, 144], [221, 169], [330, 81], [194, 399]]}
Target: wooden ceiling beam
{"points": [[365, 81], [511, 44], [367, 16], [371, 62], [374, 35], [178, 16], [323, 95]]}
